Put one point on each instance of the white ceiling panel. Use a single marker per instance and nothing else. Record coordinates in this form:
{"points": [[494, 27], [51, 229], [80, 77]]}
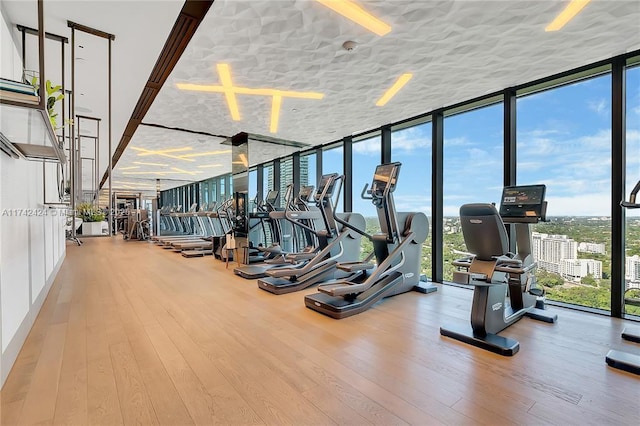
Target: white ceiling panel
{"points": [[457, 50]]}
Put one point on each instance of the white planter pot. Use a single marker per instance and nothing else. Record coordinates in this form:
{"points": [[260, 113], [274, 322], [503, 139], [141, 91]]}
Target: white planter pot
{"points": [[91, 228]]}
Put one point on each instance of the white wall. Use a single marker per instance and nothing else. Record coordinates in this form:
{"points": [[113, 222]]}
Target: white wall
{"points": [[32, 241], [11, 64]]}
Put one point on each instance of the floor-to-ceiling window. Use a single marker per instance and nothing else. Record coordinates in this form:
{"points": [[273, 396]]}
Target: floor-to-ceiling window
{"points": [[267, 179], [253, 189], [286, 178], [332, 162], [472, 171], [564, 142], [308, 169], [366, 155], [411, 146], [632, 237]]}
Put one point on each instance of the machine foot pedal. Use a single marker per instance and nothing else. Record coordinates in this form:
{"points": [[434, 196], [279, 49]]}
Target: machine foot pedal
{"points": [[624, 361]]}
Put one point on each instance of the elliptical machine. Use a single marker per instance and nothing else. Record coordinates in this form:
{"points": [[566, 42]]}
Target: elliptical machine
{"points": [[504, 283], [618, 359], [397, 250]]}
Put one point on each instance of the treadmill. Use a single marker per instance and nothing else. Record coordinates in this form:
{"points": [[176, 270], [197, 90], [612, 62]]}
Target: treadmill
{"points": [[398, 251]]}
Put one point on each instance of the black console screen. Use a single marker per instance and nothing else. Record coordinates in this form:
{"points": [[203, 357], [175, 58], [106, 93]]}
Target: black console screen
{"points": [[522, 202]]}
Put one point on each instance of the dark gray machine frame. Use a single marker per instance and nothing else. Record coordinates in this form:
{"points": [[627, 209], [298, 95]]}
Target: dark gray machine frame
{"points": [[619, 359], [493, 274], [397, 251]]}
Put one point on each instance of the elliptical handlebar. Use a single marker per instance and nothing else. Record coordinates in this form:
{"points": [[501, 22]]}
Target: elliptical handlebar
{"points": [[366, 191], [631, 204]]}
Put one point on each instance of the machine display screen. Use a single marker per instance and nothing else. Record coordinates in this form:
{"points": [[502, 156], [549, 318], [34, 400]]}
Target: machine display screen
{"points": [[306, 192], [271, 197], [385, 175], [522, 201], [325, 180]]}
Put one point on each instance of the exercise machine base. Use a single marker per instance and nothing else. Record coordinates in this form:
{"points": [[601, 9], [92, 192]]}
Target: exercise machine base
{"points": [[541, 315], [425, 287], [490, 342], [624, 361], [631, 335]]}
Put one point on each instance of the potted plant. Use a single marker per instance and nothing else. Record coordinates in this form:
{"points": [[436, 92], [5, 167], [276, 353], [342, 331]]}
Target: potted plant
{"points": [[92, 218], [52, 98]]}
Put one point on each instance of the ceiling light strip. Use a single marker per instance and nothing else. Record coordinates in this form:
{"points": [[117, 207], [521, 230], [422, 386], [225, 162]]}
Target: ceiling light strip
{"points": [[357, 14], [229, 94], [276, 103], [572, 9], [399, 84]]}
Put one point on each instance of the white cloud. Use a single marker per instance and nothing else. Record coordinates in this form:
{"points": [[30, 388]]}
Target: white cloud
{"points": [[600, 107], [368, 147], [587, 204]]}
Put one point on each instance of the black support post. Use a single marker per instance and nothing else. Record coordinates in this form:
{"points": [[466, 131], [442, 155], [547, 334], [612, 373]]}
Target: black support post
{"points": [[347, 158], [318, 165], [385, 144], [509, 150], [260, 182], [618, 171], [437, 185], [276, 182], [295, 163]]}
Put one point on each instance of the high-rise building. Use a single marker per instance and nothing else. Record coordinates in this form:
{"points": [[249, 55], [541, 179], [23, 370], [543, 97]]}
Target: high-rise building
{"points": [[598, 248], [550, 250], [576, 269], [632, 269], [286, 176]]}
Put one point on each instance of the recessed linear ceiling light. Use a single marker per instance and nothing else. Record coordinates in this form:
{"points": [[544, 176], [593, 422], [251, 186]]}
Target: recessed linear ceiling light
{"points": [[350, 10], [230, 91], [173, 171], [276, 102], [400, 82], [129, 168], [206, 154], [207, 166], [150, 164], [163, 153], [225, 79], [572, 9]]}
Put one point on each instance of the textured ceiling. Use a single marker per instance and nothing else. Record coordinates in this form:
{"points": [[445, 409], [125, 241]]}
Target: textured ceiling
{"points": [[457, 50]]}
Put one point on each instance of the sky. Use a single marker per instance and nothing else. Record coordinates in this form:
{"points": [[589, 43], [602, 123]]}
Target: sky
{"points": [[564, 142]]}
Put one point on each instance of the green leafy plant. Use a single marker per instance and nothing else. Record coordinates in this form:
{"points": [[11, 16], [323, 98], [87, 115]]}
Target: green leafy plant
{"points": [[51, 99], [90, 213]]}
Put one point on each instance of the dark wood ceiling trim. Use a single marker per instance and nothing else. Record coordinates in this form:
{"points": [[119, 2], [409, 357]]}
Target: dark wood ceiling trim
{"points": [[180, 129], [187, 22], [90, 30]]}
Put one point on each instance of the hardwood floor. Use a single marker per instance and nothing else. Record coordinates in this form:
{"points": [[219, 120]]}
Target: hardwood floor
{"points": [[131, 333]]}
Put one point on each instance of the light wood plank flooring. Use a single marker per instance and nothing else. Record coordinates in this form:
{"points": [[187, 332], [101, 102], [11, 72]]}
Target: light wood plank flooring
{"points": [[131, 333]]}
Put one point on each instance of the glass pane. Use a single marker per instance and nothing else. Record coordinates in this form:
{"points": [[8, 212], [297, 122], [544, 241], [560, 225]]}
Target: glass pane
{"points": [[366, 156], [564, 142], [286, 178], [412, 147], [632, 263], [267, 180], [332, 162], [308, 170], [253, 189], [473, 146]]}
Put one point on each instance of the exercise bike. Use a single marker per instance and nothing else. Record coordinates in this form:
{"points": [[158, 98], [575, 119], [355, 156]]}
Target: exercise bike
{"points": [[504, 283]]}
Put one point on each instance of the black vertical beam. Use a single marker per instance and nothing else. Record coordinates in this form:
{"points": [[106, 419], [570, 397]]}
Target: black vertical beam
{"points": [[295, 162], [437, 185], [347, 170], [276, 182], [41, 76], [385, 151], [618, 171], [509, 151], [318, 165], [260, 182]]}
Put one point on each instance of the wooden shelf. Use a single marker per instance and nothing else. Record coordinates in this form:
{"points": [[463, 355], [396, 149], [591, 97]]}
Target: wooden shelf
{"points": [[26, 127]]}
